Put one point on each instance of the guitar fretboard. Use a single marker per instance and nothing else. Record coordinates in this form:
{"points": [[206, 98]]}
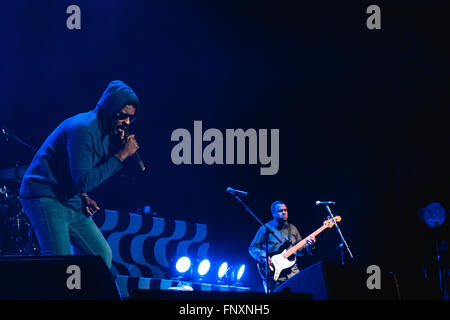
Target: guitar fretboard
{"points": [[302, 243]]}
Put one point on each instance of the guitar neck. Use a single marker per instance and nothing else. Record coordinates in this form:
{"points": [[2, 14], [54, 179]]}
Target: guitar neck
{"points": [[302, 243]]}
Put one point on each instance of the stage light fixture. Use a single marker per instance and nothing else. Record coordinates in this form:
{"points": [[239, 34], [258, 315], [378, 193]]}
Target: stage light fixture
{"points": [[183, 264], [222, 270], [240, 272], [203, 267]]}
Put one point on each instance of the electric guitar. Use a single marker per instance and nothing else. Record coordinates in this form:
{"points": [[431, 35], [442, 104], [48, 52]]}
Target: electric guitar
{"points": [[280, 258]]}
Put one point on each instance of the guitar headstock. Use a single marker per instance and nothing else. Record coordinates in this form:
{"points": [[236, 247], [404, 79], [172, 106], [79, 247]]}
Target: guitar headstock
{"points": [[329, 223]]}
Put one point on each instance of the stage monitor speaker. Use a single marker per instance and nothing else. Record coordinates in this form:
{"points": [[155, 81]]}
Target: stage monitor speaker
{"points": [[67, 277], [329, 281]]}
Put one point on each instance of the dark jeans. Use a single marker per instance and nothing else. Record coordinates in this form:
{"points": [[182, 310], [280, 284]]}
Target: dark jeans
{"points": [[58, 225]]}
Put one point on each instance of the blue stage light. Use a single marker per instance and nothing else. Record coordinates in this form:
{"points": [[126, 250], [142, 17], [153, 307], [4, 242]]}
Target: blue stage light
{"points": [[240, 272], [183, 264], [204, 267], [222, 270]]}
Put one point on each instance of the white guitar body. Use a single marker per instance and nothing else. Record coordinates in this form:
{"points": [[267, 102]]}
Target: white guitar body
{"points": [[279, 263]]}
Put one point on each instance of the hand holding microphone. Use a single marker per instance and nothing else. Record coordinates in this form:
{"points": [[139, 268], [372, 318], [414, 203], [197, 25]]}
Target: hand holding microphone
{"points": [[130, 147]]}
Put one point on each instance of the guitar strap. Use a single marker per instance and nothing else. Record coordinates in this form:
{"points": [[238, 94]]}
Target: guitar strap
{"points": [[283, 236], [289, 233]]}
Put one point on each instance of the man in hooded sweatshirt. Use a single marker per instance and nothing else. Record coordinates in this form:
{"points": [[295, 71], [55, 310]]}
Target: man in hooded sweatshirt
{"points": [[78, 156]]}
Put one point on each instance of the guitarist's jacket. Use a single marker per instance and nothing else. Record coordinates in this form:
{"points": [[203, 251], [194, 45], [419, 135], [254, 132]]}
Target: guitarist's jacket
{"points": [[286, 232]]}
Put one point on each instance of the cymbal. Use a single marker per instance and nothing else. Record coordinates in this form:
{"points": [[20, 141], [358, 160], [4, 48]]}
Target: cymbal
{"points": [[13, 173]]}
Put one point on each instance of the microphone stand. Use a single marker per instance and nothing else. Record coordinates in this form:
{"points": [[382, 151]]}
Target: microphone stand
{"points": [[438, 258], [7, 133], [343, 243], [268, 231]]}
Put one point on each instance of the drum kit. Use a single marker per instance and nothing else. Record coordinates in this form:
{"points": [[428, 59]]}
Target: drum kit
{"points": [[16, 233], [17, 236]]}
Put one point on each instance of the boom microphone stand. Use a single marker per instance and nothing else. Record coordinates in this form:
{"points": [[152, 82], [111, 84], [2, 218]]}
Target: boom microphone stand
{"points": [[343, 243], [268, 231], [8, 133]]}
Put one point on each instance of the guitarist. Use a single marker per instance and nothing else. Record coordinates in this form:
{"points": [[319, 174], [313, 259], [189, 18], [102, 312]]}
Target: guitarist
{"points": [[289, 236]]}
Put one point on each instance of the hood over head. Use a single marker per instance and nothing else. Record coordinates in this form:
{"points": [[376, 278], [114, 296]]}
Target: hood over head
{"points": [[116, 95]]}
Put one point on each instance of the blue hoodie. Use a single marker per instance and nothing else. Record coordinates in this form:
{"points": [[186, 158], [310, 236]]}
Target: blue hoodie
{"points": [[75, 158]]}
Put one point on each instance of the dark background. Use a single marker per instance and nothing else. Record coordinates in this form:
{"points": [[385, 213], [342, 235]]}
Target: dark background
{"points": [[363, 114]]}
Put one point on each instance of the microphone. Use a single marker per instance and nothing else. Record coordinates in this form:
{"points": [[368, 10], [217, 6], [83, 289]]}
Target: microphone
{"points": [[5, 133], [138, 157], [318, 203], [235, 192]]}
